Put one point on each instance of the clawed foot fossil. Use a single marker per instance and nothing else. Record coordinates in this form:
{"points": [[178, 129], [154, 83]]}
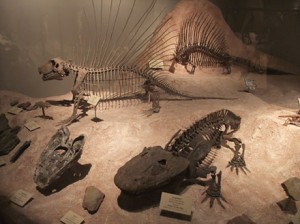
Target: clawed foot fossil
{"points": [[214, 191], [238, 160]]}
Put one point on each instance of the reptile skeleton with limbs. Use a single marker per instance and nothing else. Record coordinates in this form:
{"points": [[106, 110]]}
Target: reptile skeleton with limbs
{"points": [[118, 70]]}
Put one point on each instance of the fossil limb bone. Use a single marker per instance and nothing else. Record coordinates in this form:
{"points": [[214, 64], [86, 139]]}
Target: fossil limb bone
{"points": [[238, 160], [20, 151]]}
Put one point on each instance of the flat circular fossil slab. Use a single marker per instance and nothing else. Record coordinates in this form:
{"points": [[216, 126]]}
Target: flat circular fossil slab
{"points": [[154, 167]]}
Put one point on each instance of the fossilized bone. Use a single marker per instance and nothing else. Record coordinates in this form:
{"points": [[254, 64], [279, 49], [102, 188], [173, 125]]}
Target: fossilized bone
{"points": [[186, 157], [115, 74], [291, 119], [103, 76], [60, 154], [20, 151], [201, 42], [238, 160], [113, 61]]}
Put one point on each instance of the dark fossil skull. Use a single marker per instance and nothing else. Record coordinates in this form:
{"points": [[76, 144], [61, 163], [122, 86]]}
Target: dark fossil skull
{"points": [[59, 155]]}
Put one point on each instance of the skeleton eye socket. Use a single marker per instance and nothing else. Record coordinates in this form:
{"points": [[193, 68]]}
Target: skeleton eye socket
{"points": [[56, 66], [52, 62]]}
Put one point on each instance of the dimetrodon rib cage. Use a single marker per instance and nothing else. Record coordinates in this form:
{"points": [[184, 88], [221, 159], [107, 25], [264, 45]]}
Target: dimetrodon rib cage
{"points": [[201, 42], [120, 55], [123, 48]]}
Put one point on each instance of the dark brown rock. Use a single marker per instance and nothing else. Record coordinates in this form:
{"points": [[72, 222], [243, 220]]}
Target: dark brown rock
{"points": [[292, 188], [242, 219], [32, 107], [288, 205], [9, 140], [93, 198], [14, 103], [3, 123], [25, 105], [8, 136], [153, 168]]}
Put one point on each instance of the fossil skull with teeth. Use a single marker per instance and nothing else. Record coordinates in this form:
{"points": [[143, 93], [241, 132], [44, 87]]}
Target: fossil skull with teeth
{"points": [[55, 68]]}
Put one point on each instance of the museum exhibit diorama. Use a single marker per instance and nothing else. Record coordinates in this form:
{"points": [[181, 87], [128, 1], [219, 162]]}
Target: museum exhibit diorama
{"points": [[160, 111]]}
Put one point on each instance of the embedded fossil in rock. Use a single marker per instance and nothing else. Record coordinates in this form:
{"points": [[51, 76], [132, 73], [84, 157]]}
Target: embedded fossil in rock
{"points": [[186, 157], [60, 154]]}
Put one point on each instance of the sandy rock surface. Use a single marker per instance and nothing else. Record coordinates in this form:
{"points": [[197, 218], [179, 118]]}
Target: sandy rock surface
{"points": [[272, 152]]}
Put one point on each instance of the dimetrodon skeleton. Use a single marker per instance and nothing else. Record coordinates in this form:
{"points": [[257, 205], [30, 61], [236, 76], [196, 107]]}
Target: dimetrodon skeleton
{"points": [[202, 43], [124, 62]]}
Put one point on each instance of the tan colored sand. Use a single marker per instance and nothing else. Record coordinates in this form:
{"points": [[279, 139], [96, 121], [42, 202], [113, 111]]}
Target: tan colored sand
{"points": [[272, 152]]}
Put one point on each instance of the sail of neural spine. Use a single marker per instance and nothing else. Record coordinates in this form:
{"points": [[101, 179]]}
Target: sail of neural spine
{"points": [[124, 44]]}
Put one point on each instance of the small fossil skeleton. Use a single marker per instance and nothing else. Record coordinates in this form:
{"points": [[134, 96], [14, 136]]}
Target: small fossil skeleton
{"points": [[201, 42], [291, 119], [186, 157], [60, 154]]}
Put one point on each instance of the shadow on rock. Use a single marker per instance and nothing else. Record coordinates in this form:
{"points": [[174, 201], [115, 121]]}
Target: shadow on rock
{"points": [[96, 119], [45, 117], [64, 103], [139, 203], [9, 215], [74, 174]]}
